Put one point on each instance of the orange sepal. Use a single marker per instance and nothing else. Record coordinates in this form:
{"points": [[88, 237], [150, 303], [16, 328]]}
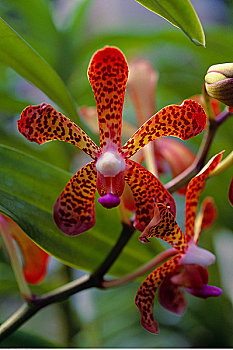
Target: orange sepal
{"points": [[35, 260], [182, 121], [194, 189], [74, 210], [43, 123], [108, 74], [147, 191], [144, 299]]}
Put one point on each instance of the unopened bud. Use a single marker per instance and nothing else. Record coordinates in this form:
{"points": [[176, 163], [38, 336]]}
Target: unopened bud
{"points": [[219, 83]]}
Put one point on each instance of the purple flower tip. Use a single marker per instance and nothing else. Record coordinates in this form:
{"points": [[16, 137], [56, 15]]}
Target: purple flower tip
{"points": [[109, 201], [205, 292]]}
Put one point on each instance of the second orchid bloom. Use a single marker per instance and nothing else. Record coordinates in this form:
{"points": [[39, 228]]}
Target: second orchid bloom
{"points": [[74, 210], [187, 268]]}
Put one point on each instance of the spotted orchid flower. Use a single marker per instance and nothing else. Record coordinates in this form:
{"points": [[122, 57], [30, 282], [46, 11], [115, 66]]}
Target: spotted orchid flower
{"points": [[188, 267], [165, 154], [74, 210], [35, 260]]}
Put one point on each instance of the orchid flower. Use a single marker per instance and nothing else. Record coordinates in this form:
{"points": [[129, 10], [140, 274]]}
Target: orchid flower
{"points": [[166, 154], [74, 210], [35, 260], [188, 267]]}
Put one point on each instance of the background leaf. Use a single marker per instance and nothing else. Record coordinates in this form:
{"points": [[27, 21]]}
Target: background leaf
{"points": [[181, 14], [17, 54]]}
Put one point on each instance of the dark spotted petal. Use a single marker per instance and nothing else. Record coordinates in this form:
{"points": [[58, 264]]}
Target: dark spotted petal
{"points": [[108, 74], [44, 123], [144, 299], [183, 121], [74, 210], [147, 191]]}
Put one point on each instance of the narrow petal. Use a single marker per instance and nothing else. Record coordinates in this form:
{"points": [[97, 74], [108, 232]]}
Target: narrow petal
{"points": [[144, 299], [74, 210], [183, 121], [178, 156], [166, 228], [171, 297], [43, 123], [206, 217], [90, 117], [35, 260], [108, 74], [205, 292], [147, 191], [142, 86], [194, 189]]}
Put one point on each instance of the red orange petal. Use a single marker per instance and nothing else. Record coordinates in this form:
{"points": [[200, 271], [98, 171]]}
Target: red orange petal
{"points": [[147, 191], [108, 74], [35, 260], [74, 210], [165, 228], [43, 123], [194, 189], [183, 121], [144, 299]]}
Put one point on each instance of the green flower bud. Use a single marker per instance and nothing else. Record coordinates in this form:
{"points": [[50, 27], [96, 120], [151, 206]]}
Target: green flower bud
{"points": [[219, 83]]}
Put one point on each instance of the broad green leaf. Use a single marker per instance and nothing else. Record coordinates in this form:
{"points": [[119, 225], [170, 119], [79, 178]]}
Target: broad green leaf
{"points": [[28, 190], [181, 14], [21, 339], [17, 54]]}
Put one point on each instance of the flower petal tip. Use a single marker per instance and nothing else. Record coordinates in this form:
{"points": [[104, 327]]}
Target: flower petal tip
{"points": [[109, 201], [151, 326], [72, 226]]}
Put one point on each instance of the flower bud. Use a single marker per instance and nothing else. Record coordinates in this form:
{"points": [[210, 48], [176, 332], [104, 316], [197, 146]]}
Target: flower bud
{"points": [[219, 83]]}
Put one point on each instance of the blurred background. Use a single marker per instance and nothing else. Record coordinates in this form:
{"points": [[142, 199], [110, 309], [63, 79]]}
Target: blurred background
{"points": [[66, 33]]}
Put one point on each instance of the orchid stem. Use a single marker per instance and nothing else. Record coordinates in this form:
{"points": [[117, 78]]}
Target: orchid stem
{"points": [[27, 310]]}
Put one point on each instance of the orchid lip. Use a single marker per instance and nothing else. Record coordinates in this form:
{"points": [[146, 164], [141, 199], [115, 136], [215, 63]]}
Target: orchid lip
{"points": [[205, 292], [110, 164], [109, 201]]}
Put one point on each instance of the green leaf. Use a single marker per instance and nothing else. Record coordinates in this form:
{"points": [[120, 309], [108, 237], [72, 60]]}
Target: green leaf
{"points": [[21, 339], [28, 191], [17, 54], [181, 14]]}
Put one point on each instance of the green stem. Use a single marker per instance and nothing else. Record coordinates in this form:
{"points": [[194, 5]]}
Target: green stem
{"points": [[125, 236]]}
